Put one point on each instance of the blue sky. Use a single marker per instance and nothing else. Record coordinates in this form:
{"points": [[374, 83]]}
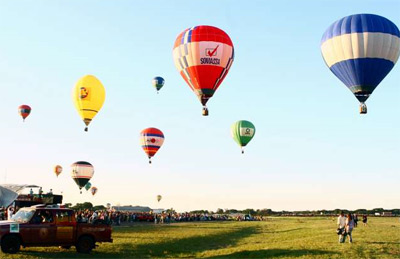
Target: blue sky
{"points": [[312, 149]]}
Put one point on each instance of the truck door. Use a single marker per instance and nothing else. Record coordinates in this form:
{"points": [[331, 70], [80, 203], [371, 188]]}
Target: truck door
{"points": [[42, 228], [65, 226]]}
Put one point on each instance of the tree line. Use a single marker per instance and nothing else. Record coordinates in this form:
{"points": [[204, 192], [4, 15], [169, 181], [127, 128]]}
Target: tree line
{"points": [[261, 212]]}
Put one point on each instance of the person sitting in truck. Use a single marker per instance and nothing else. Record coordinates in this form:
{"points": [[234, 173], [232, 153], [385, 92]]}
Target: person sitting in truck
{"points": [[47, 217], [37, 218]]}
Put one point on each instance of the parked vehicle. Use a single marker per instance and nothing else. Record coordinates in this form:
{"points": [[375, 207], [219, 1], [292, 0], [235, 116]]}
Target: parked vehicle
{"points": [[41, 226]]}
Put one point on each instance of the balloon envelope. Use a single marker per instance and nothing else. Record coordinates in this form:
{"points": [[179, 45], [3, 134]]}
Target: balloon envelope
{"points": [[159, 197], [81, 173], [88, 96], [93, 190], [158, 82], [58, 170], [87, 186], [203, 56], [361, 50], [24, 110], [242, 132], [151, 139]]}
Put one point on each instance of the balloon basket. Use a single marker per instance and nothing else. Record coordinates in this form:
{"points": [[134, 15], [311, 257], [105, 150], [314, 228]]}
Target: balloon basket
{"points": [[205, 111], [363, 108], [86, 129]]}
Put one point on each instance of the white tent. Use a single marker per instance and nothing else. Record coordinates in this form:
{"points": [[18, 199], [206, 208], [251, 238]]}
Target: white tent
{"points": [[18, 188], [9, 192], [7, 196]]}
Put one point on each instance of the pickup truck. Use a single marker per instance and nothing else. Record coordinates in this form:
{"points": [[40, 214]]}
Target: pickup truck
{"points": [[50, 226]]}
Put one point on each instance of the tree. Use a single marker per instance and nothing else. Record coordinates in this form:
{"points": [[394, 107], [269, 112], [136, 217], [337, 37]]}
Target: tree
{"points": [[99, 207], [249, 211], [83, 206]]}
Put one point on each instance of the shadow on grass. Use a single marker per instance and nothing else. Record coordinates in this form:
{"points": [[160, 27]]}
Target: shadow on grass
{"points": [[197, 244], [384, 243], [274, 253], [286, 230], [186, 247]]}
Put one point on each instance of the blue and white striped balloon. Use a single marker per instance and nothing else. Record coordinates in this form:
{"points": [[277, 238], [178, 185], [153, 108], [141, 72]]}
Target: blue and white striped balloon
{"points": [[361, 50]]}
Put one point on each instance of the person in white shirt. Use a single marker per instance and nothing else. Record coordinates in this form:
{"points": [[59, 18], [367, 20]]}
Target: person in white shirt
{"points": [[93, 217], [341, 222]]}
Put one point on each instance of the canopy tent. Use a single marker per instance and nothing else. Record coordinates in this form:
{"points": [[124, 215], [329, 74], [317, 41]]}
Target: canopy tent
{"points": [[18, 188], [9, 192]]}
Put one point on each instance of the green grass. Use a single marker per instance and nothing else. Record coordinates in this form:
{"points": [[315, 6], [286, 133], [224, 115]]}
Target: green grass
{"points": [[276, 238]]}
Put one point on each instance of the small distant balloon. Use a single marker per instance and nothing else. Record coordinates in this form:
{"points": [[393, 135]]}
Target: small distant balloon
{"points": [[58, 170], [151, 139], [159, 197], [87, 186], [93, 190], [158, 82], [24, 110], [242, 132]]}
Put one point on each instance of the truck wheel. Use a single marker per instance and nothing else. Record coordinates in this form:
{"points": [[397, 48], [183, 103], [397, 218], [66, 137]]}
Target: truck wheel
{"points": [[10, 244], [85, 245]]}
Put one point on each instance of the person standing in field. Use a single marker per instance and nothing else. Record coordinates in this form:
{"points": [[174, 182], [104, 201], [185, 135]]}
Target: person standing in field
{"points": [[355, 220], [349, 227], [341, 222], [364, 220]]}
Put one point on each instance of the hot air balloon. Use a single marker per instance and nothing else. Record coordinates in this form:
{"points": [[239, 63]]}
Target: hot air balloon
{"points": [[151, 140], [87, 186], [242, 132], [158, 82], [88, 96], [159, 197], [203, 56], [58, 170], [24, 111], [361, 50], [82, 172], [93, 190]]}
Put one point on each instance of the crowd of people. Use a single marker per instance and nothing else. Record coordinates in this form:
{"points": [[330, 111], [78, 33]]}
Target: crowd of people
{"points": [[119, 217], [346, 224]]}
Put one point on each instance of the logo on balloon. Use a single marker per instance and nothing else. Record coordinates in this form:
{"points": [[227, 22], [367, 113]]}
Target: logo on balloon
{"points": [[151, 140], [84, 93], [210, 53], [248, 132]]}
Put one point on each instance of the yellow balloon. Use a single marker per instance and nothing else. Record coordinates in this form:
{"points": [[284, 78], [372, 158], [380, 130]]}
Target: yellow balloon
{"points": [[88, 96]]}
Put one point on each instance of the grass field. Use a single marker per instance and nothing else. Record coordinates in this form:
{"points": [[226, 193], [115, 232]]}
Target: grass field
{"points": [[275, 238]]}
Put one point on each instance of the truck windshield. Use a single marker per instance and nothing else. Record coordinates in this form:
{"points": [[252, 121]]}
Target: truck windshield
{"points": [[23, 215]]}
